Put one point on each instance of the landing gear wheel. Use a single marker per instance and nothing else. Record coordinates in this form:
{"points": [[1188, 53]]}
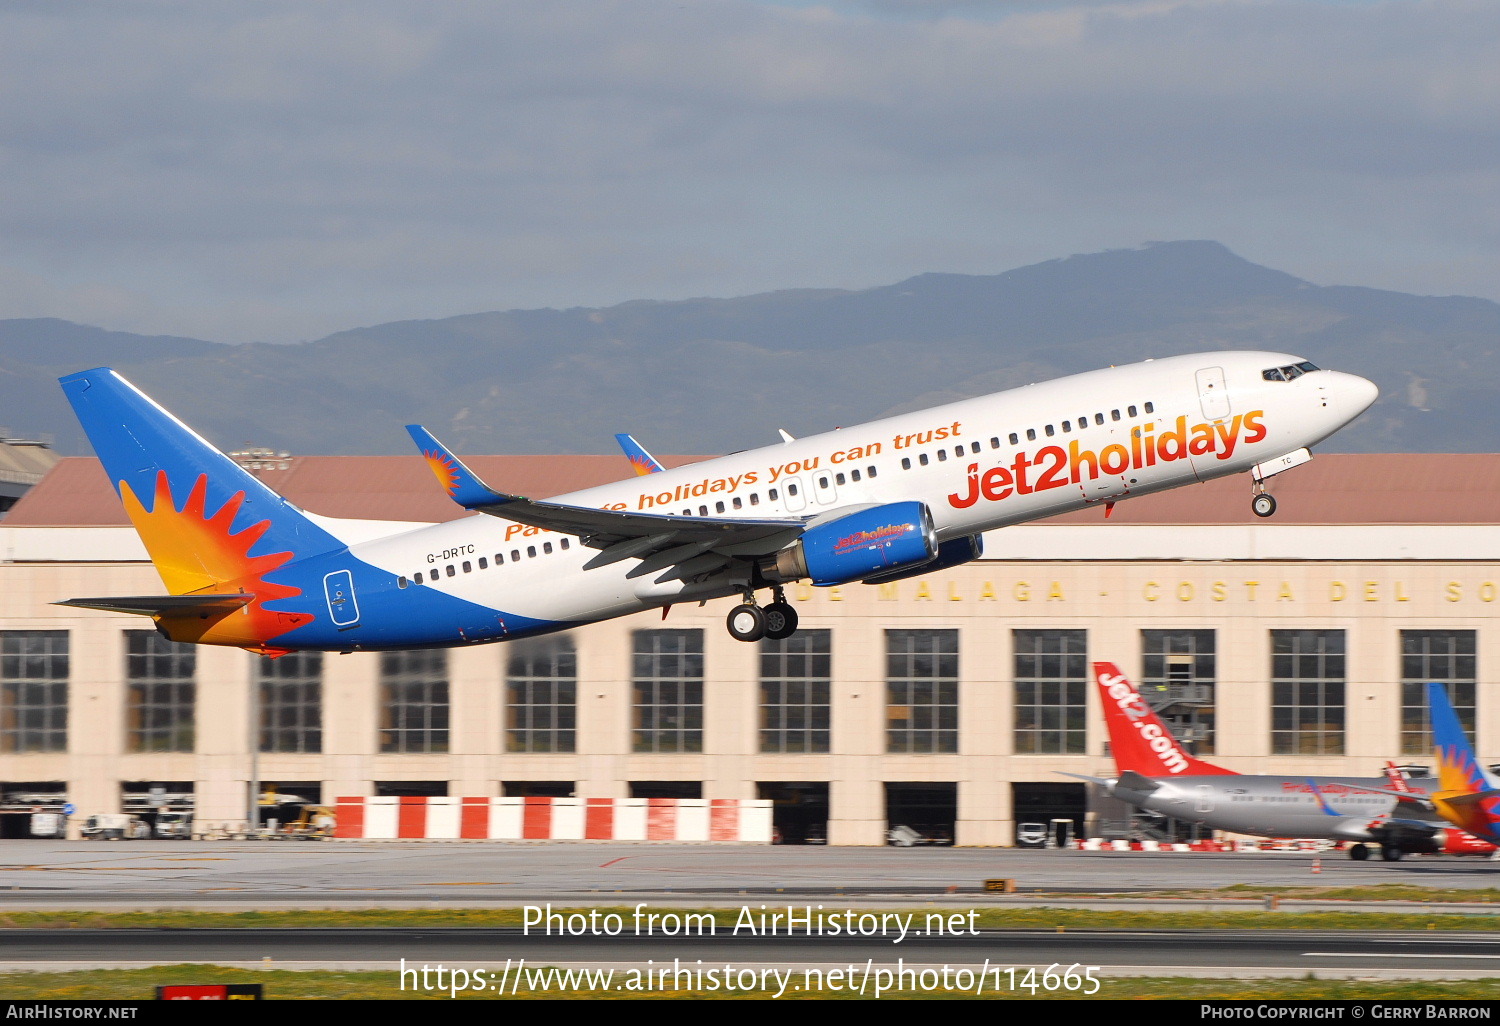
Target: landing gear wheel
{"points": [[1391, 853], [1263, 505], [781, 621], [746, 623], [1359, 852]]}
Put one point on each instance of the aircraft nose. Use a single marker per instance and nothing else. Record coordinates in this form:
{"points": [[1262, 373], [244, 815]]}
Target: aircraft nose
{"points": [[1355, 394]]}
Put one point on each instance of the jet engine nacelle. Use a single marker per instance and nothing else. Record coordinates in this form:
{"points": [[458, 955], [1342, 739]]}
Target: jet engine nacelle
{"points": [[1457, 842], [868, 542], [953, 552]]}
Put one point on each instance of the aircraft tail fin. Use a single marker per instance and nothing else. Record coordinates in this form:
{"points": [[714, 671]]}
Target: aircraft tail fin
{"points": [[209, 525], [1467, 794], [1139, 739], [1459, 769]]}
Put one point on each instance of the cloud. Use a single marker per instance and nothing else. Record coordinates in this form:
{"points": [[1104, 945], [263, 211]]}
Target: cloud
{"points": [[277, 169]]}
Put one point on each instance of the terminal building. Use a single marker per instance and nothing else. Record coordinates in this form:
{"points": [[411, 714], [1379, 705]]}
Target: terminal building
{"points": [[950, 704]]}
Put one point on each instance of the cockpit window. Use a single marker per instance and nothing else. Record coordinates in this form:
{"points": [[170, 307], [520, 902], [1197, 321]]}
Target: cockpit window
{"points": [[1288, 373]]}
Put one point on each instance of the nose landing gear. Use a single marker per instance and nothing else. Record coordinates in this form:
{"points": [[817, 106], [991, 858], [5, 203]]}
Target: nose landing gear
{"points": [[1263, 504]]}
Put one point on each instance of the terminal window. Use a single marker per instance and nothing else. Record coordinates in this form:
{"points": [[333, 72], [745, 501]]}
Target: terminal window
{"points": [[541, 682], [290, 691], [161, 693], [414, 709], [667, 691], [33, 691], [795, 674], [1307, 692], [1447, 657], [1179, 673], [1051, 691], [921, 712]]}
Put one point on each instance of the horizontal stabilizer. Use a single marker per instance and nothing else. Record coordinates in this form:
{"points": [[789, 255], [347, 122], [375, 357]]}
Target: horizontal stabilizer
{"points": [[158, 605], [1103, 782]]}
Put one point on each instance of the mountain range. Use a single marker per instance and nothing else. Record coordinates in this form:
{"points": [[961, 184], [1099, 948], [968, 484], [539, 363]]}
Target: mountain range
{"points": [[717, 375]]}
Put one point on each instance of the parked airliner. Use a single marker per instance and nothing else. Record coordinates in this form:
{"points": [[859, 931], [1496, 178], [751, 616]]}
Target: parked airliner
{"points": [[1157, 775], [893, 498], [1466, 793]]}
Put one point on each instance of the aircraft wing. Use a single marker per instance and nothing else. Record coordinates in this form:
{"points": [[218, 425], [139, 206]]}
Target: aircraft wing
{"points": [[661, 541]]}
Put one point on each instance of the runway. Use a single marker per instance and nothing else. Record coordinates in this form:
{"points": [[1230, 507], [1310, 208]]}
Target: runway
{"points": [[663, 879], [349, 874]]}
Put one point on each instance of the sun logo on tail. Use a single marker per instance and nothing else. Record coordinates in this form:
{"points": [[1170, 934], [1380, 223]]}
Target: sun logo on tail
{"points": [[444, 469], [198, 552]]}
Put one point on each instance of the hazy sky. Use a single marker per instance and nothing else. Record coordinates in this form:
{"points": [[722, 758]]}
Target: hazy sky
{"points": [[279, 170]]}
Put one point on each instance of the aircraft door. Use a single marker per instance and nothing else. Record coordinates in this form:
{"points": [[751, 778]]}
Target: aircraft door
{"points": [[792, 495], [824, 491], [1213, 394], [342, 605], [1205, 801]]}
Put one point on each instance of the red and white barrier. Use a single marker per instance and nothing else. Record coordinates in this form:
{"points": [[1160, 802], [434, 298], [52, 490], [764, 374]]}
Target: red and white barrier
{"points": [[739, 820]]}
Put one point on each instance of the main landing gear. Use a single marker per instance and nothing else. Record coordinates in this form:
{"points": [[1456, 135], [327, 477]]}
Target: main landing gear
{"points": [[1359, 852], [749, 622]]}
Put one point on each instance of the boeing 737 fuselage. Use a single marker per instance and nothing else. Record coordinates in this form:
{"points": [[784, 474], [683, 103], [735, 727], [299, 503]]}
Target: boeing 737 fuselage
{"points": [[893, 498]]}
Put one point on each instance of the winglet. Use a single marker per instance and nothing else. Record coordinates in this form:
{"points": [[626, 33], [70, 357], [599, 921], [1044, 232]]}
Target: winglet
{"points": [[461, 483], [643, 462]]}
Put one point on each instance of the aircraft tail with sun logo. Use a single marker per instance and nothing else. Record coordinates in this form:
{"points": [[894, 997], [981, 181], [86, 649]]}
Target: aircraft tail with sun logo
{"points": [[223, 542]]}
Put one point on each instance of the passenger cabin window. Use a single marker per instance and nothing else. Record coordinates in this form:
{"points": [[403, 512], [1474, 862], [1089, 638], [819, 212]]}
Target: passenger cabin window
{"points": [[1031, 434], [547, 548], [451, 570], [1050, 432], [531, 552], [1132, 411], [870, 471], [484, 564], [1114, 414], [1098, 418], [401, 582], [1150, 407], [1067, 427], [1015, 439], [906, 463], [468, 567], [922, 459], [942, 455]]}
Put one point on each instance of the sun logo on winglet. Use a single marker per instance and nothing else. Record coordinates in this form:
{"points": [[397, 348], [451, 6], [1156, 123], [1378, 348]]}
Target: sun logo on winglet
{"points": [[444, 469]]}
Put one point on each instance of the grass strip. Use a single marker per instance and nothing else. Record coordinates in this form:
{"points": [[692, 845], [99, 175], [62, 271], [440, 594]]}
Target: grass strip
{"points": [[318, 985]]}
